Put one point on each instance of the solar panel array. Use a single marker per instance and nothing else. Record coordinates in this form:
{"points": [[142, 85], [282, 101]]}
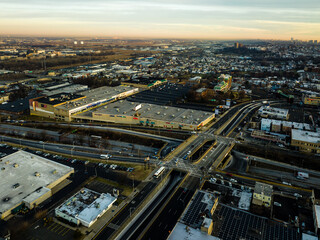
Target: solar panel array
{"points": [[161, 95], [192, 216], [237, 224]]}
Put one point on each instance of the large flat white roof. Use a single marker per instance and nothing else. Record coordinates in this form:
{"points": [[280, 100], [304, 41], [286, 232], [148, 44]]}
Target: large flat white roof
{"points": [[305, 136], [21, 168], [86, 205], [181, 231], [91, 212], [155, 112], [97, 95]]}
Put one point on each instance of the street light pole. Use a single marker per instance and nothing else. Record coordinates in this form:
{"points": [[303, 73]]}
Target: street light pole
{"points": [[130, 210]]}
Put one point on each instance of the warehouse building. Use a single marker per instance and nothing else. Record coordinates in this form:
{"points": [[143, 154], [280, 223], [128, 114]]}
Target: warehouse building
{"points": [[271, 112], [85, 207], [28, 180], [125, 112], [196, 222], [306, 141], [64, 105]]}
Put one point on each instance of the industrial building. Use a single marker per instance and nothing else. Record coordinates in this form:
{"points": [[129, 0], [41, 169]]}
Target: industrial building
{"points": [[63, 106], [271, 112], [125, 112], [306, 141], [27, 180], [196, 221], [65, 87], [144, 82], [85, 207]]}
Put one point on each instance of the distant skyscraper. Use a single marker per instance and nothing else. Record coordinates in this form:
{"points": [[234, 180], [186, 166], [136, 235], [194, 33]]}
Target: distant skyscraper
{"points": [[291, 39], [315, 41], [236, 45]]}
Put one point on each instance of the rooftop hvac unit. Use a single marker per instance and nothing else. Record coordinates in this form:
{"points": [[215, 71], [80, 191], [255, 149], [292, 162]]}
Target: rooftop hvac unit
{"points": [[124, 112], [117, 110], [37, 174], [166, 107], [15, 165], [3, 168], [7, 162], [149, 109], [164, 114], [198, 119], [54, 172], [158, 113]]}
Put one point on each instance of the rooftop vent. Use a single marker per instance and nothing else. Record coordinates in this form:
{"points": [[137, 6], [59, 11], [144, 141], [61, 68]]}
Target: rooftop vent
{"points": [[37, 174], [15, 165], [54, 172]]}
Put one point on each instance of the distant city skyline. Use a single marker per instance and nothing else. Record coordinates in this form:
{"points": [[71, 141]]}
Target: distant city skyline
{"points": [[202, 19]]}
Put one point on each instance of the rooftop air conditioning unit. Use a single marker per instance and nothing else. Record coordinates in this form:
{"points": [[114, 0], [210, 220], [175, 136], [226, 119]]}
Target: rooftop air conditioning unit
{"points": [[15, 165], [37, 174]]}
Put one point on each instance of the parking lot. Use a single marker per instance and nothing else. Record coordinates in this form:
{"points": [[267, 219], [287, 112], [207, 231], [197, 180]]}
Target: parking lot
{"points": [[101, 187], [49, 231]]}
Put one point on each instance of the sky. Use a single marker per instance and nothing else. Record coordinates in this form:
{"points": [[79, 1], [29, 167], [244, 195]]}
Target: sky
{"points": [[193, 19]]}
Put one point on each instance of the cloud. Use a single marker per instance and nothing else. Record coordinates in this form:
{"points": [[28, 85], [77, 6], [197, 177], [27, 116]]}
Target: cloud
{"points": [[214, 17]]}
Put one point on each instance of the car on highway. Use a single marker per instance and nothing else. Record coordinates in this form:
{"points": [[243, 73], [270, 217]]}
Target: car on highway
{"points": [[277, 204], [297, 195]]}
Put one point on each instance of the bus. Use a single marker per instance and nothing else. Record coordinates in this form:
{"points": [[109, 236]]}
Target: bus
{"points": [[159, 172]]}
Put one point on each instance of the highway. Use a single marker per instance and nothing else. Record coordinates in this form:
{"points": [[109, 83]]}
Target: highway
{"points": [[178, 160], [149, 213], [119, 130], [109, 229], [160, 227], [68, 150]]}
